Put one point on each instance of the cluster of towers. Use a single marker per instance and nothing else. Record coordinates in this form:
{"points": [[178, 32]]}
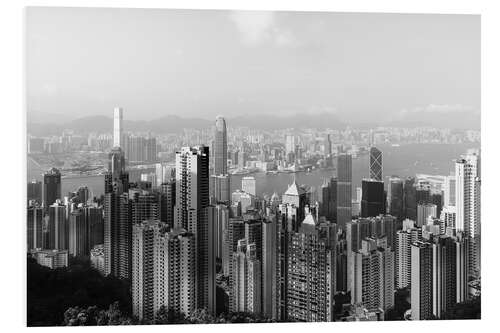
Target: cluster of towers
{"points": [[191, 244]]}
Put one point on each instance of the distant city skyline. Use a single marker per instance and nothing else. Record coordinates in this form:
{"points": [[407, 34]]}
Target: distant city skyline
{"points": [[237, 63]]}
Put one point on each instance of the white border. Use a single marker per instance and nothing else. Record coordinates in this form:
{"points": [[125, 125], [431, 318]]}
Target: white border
{"points": [[13, 294]]}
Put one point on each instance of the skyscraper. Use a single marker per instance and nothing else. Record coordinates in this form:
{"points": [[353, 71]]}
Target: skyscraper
{"points": [[167, 202], [444, 270], [34, 191], [449, 191], [372, 203], [234, 232], [220, 146], [410, 199], [163, 270], [311, 271], [467, 202], [51, 187], [214, 218], [117, 127], [221, 188], [144, 238], [329, 200], [296, 196], [34, 227], [344, 189], [95, 223], [290, 143], [376, 164], [424, 211], [421, 281], [117, 209], [57, 227], [221, 225], [78, 234], [270, 267], [373, 275], [395, 198], [248, 185], [191, 213], [246, 282], [404, 239]]}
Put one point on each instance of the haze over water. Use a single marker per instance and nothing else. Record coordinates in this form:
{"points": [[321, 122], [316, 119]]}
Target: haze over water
{"points": [[405, 160]]}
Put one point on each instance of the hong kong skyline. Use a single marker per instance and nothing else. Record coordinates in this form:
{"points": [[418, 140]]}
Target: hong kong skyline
{"points": [[212, 167]]}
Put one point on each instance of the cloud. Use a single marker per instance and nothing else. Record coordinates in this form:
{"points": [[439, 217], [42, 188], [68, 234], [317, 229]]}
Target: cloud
{"points": [[260, 27], [439, 108]]}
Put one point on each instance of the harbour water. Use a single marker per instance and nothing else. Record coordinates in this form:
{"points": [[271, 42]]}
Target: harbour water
{"points": [[404, 160]]}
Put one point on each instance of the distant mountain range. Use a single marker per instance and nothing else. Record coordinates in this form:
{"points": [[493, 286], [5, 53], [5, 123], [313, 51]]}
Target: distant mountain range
{"points": [[175, 124]]}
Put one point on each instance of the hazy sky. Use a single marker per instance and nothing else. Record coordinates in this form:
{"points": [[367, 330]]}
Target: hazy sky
{"points": [[155, 62]]}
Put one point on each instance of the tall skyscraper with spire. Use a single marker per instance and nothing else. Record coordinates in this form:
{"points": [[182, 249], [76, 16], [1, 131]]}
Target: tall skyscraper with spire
{"points": [[220, 146]]}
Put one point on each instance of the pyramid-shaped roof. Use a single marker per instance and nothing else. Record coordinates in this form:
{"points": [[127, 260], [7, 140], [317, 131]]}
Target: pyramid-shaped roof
{"points": [[295, 189]]}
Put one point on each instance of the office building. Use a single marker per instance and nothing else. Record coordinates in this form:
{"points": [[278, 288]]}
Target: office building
{"points": [[449, 191], [376, 164], [424, 212], [344, 190], [248, 184], [329, 200], [51, 187], [220, 147], [117, 127], [395, 198], [372, 202], [410, 199], [221, 188]]}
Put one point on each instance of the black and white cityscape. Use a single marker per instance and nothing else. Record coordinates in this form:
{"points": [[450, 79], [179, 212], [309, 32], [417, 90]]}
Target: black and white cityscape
{"points": [[267, 213]]}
